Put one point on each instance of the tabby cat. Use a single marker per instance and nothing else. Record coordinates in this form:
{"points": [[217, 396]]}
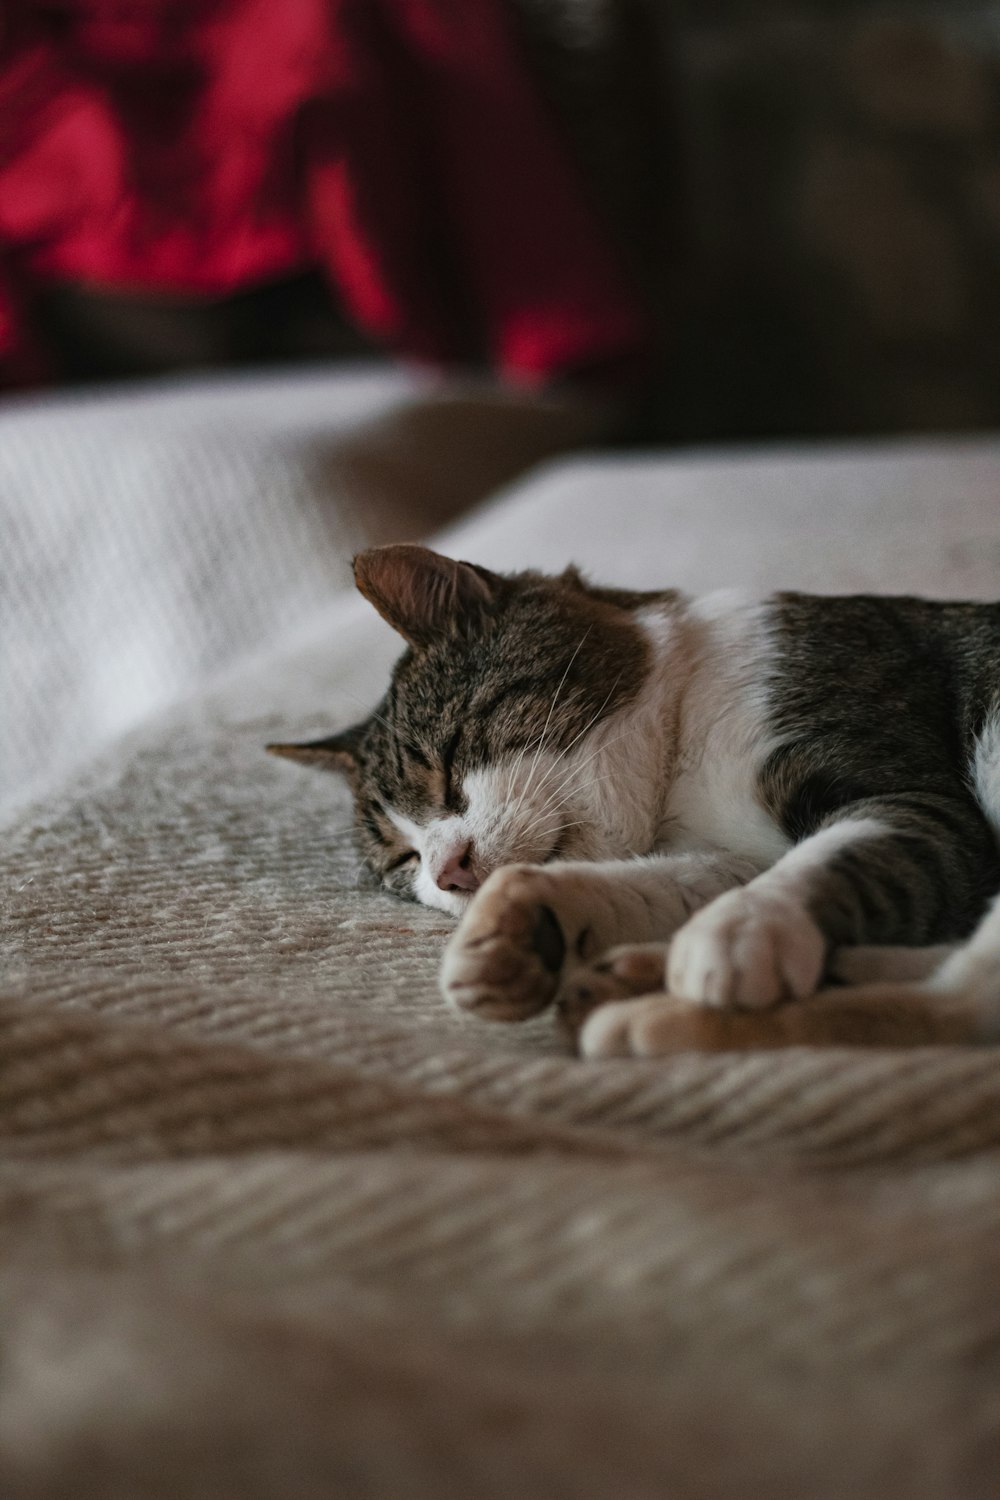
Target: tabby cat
{"points": [[689, 823]]}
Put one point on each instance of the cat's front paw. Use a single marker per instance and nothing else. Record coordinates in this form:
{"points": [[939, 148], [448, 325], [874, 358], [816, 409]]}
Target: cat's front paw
{"points": [[506, 959], [620, 973], [750, 949]]}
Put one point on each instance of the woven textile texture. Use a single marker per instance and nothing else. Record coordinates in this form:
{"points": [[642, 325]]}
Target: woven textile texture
{"points": [[273, 1223], [153, 535]]}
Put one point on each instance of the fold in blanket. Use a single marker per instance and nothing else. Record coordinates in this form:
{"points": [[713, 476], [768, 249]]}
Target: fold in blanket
{"points": [[198, 147]]}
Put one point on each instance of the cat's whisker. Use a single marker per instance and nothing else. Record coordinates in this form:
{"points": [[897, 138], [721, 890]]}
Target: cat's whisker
{"points": [[589, 725], [548, 720], [566, 788], [564, 785], [554, 835], [575, 771], [525, 748], [552, 705], [561, 755], [516, 767], [554, 832], [562, 789], [565, 827]]}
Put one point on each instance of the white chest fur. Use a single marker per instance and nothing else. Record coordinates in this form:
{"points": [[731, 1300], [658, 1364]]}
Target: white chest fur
{"points": [[721, 665]]}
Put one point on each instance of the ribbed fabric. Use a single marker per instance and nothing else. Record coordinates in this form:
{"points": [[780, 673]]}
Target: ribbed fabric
{"points": [[273, 1223], [156, 534]]}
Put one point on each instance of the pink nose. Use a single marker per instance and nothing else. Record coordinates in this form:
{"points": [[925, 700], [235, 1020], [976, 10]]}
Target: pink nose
{"points": [[457, 874]]}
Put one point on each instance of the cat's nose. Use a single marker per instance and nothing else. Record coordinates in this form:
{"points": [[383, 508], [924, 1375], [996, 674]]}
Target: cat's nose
{"points": [[457, 874]]}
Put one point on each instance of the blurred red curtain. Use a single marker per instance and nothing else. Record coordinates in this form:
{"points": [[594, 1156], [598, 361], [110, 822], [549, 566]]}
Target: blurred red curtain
{"points": [[201, 147]]}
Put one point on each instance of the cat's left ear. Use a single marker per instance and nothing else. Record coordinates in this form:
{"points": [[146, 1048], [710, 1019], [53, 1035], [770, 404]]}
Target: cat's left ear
{"points": [[339, 752], [422, 594], [574, 578]]}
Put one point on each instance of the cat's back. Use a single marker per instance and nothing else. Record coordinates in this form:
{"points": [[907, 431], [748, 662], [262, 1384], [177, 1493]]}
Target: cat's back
{"points": [[880, 696], [866, 692], [891, 658]]}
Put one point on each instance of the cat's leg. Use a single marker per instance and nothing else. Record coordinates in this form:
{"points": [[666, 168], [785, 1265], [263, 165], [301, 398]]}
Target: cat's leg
{"points": [[887, 1015], [928, 996], [881, 965], [641, 969], [638, 971], [957, 1003], [889, 870], [529, 925]]}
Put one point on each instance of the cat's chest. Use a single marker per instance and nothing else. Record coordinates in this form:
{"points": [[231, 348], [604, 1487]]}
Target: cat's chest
{"points": [[713, 804], [725, 734]]}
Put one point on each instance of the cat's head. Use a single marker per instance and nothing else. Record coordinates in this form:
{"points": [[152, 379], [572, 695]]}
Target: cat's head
{"points": [[504, 734]]}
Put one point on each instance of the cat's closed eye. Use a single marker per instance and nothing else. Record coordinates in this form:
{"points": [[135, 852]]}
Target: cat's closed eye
{"points": [[410, 857], [447, 762]]}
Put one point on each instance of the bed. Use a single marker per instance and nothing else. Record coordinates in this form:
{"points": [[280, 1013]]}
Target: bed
{"points": [[273, 1221]]}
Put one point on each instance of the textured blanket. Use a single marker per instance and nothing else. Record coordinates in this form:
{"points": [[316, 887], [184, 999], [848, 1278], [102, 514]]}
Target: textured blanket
{"points": [[154, 534], [274, 1223]]}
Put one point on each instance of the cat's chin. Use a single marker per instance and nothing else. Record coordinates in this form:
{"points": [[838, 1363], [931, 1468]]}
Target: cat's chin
{"points": [[455, 903]]}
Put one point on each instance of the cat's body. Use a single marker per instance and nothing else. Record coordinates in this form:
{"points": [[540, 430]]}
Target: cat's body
{"points": [[733, 791]]}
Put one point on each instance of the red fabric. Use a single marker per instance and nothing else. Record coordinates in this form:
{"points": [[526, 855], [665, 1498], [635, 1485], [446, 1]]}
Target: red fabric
{"points": [[205, 146]]}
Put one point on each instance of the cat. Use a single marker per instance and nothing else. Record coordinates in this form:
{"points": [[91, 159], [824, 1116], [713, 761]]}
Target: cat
{"points": [[688, 822]]}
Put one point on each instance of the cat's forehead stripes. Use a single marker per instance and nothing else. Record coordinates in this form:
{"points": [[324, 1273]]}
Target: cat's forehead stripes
{"points": [[555, 655]]}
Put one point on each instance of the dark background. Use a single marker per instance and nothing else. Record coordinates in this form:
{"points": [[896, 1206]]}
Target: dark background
{"points": [[808, 192]]}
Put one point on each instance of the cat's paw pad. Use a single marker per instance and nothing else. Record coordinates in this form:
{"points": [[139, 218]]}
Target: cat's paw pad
{"points": [[619, 974], [750, 950], [647, 1027], [505, 960]]}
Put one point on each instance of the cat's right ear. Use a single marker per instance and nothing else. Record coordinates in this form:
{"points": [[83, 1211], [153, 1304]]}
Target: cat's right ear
{"points": [[338, 752], [423, 595]]}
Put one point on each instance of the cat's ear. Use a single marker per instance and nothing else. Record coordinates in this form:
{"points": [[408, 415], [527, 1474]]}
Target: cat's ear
{"points": [[338, 752], [423, 595], [574, 578]]}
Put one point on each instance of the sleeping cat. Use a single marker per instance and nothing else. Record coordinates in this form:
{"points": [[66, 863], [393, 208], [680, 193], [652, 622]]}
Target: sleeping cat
{"points": [[679, 819]]}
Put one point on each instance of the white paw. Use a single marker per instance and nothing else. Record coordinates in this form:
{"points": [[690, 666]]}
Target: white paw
{"points": [[749, 949]]}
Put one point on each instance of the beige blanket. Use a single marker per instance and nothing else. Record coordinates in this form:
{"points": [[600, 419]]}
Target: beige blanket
{"points": [[274, 1224]]}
